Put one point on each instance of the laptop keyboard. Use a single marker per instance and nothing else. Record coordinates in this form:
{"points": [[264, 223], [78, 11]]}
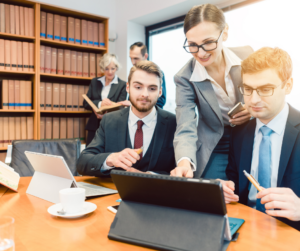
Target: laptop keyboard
{"points": [[93, 190]]}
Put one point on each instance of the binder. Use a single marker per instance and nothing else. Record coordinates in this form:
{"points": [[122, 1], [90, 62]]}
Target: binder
{"points": [[26, 22], [53, 60], [55, 126], [55, 94], [101, 35], [17, 19], [17, 95], [62, 97], [23, 128], [42, 128], [79, 64], [63, 29], [1, 125], [19, 56], [57, 27], [80, 98], [73, 63], [84, 32], [70, 128], [50, 26], [42, 96], [25, 53], [48, 57], [71, 30], [5, 94], [82, 130], [5, 129], [29, 127], [23, 95], [31, 22], [42, 62], [7, 18], [28, 96], [92, 65], [11, 129], [69, 101], [11, 94], [2, 17], [63, 128], [76, 128], [12, 24], [99, 72], [22, 21], [13, 55], [75, 97], [48, 96], [67, 62], [77, 31], [85, 64], [18, 128], [43, 24], [60, 61], [31, 57], [7, 54], [48, 131], [95, 35], [2, 52], [90, 33]]}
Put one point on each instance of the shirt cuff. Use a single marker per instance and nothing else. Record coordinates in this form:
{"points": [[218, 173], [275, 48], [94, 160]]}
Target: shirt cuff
{"points": [[105, 167], [99, 104], [193, 166]]}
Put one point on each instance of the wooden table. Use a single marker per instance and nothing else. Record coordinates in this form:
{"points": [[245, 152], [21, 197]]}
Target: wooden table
{"points": [[36, 229]]}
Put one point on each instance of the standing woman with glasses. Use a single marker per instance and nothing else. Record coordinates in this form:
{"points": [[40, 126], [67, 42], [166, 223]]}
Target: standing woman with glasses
{"points": [[104, 91], [209, 81]]}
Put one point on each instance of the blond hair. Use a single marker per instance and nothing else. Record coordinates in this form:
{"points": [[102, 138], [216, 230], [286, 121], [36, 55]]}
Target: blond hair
{"points": [[107, 59]]}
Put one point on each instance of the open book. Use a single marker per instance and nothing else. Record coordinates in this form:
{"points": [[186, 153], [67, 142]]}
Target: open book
{"points": [[8, 177], [109, 108]]}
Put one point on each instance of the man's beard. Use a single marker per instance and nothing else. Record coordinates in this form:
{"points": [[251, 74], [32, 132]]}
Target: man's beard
{"points": [[145, 108]]}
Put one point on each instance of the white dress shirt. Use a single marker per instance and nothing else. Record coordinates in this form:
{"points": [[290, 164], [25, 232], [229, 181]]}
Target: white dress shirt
{"points": [[278, 126], [148, 130], [106, 89], [226, 102]]}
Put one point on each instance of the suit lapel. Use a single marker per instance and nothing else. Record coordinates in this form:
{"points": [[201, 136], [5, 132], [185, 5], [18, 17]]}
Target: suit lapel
{"points": [[113, 90], [99, 88], [159, 137], [235, 74], [122, 128]]}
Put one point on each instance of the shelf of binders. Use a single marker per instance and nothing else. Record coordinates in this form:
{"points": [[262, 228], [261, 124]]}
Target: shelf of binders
{"points": [[72, 112], [13, 73], [64, 76], [22, 111], [17, 37]]}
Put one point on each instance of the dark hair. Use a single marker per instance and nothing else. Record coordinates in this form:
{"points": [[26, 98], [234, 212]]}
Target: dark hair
{"points": [[146, 66], [140, 45], [204, 12]]}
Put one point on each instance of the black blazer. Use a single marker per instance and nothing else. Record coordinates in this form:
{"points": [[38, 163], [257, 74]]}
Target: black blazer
{"points": [[117, 93], [240, 158], [111, 137]]}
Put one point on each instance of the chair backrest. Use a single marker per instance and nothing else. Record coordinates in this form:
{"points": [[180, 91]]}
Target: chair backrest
{"points": [[69, 149]]}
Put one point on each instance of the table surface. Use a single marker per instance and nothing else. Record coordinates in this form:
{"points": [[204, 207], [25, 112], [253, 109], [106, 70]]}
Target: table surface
{"points": [[36, 229]]}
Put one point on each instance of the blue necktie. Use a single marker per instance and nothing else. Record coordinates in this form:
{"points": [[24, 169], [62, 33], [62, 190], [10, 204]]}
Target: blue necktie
{"points": [[264, 163]]}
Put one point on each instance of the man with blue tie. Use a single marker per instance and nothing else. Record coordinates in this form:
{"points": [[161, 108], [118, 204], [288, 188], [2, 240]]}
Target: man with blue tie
{"points": [[267, 147]]}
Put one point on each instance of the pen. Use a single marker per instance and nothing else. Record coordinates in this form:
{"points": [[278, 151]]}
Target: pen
{"points": [[253, 181], [139, 151]]}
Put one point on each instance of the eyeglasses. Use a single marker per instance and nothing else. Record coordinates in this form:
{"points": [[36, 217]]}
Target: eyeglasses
{"points": [[209, 46], [261, 91]]}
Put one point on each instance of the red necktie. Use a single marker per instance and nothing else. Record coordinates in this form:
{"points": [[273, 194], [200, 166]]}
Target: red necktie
{"points": [[138, 139]]}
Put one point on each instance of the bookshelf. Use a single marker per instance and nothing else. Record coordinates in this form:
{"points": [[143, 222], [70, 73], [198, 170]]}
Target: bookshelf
{"points": [[36, 76]]}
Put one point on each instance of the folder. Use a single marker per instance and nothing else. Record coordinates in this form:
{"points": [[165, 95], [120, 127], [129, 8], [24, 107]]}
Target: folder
{"points": [[17, 95], [28, 95], [43, 24], [69, 100], [50, 26], [48, 96], [42, 95], [42, 128], [82, 130], [25, 52], [7, 54], [60, 61], [70, 128], [90, 33], [85, 64], [2, 53], [7, 18], [80, 98], [62, 97], [1, 126], [73, 63], [23, 128], [98, 58], [2, 17], [55, 94], [17, 19], [77, 31], [57, 27], [19, 56], [92, 65], [67, 62], [13, 55], [22, 21], [75, 97], [95, 35], [18, 128], [63, 128], [63, 29], [31, 22], [53, 60], [42, 62], [5, 94], [84, 32], [55, 126], [102, 109], [71, 30], [101, 35], [29, 127], [11, 129], [48, 132], [76, 128], [11, 94], [12, 24], [5, 129], [26, 22], [48, 57], [31, 57], [79, 64], [23, 95]]}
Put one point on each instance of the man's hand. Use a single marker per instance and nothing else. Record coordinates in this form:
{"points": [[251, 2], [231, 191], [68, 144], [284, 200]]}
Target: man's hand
{"points": [[124, 159], [99, 116], [106, 102], [125, 103], [228, 190], [133, 170], [183, 169], [281, 198], [240, 118]]}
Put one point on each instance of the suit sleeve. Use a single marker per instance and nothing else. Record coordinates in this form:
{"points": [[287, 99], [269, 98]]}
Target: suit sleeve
{"points": [[162, 99], [186, 132], [91, 159], [232, 169], [90, 96]]}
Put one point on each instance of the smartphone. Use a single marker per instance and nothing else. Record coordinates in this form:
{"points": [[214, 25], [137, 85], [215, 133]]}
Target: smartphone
{"points": [[113, 209], [236, 109]]}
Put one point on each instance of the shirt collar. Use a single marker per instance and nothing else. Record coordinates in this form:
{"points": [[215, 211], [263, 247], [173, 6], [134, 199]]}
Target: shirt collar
{"points": [[278, 123], [114, 81], [200, 74], [133, 119]]}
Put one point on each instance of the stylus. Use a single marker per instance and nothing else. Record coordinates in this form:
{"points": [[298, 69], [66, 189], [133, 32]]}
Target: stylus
{"points": [[253, 181]]}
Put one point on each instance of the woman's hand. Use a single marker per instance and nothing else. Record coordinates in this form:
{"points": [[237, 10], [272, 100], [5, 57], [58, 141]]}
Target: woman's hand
{"points": [[99, 116], [106, 102], [125, 103], [240, 118]]}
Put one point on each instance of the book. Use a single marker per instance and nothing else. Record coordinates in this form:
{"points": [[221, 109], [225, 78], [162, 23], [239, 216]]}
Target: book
{"points": [[26, 22], [67, 62], [17, 95], [25, 53], [6, 130], [48, 131], [69, 100], [90, 33], [13, 55], [86, 89], [55, 127], [48, 96], [29, 128], [22, 21], [75, 97], [42, 57], [63, 128], [31, 22], [95, 35], [7, 54], [2, 52], [79, 64], [42, 95], [17, 19], [43, 24], [23, 128], [82, 129], [77, 31], [31, 57], [101, 35], [62, 97], [102, 109], [73, 63], [98, 69], [63, 29], [12, 24], [1, 123], [2, 17], [50, 26], [55, 94], [7, 18], [48, 57], [80, 98], [8, 177], [71, 30], [92, 69], [57, 27], [11, 94], [18, 128], [53, 60], [5, 94], [60, 61], [76, 129], [11, 129], [70, 128], [28, 96], [85, 64], [42, 128], [23, 95], [84, 32], [19, 56]]}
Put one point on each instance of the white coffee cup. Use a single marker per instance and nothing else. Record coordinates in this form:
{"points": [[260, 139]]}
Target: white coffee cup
{"points": [[72, 199]]}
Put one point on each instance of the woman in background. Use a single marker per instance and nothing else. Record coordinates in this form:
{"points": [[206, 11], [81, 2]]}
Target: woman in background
{"points": [[104, 91]]}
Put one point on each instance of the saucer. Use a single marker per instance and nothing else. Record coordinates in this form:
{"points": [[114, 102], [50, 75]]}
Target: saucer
{"points": [[88, 207]]}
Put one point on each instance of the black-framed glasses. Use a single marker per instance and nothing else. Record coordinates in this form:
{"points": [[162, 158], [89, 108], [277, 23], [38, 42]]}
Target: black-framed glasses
{"points": [[209, 46], [261, 91]]}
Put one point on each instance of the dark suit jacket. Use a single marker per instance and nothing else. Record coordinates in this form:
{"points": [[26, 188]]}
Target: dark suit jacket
{"points": [[111, 137], [117, 93], [162, 99], [240, 158]]}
